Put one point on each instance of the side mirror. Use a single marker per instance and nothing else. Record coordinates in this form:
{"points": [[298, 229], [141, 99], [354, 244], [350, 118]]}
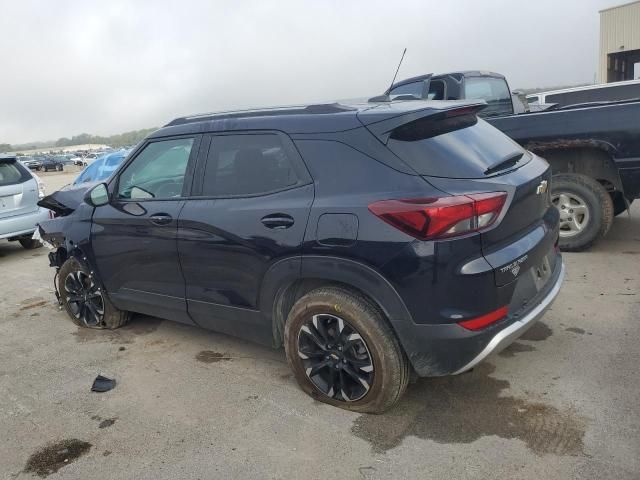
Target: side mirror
{"points": [[98, 195]]}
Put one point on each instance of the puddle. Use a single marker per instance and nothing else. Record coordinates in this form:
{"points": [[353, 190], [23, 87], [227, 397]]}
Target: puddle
{"points": [[107, 422], [54, 456], [465, 408], [540, 331], [29, 306], [208, 356], [575, 330], [139, 326], [515, 348]]}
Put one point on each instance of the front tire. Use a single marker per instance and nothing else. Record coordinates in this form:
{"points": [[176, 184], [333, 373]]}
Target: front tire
{"points": [[343, 352], [586, 210], [86, 303]]}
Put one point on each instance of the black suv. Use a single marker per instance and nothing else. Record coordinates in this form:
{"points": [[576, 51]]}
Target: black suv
{"points": [[51, 163], [370, 240]]}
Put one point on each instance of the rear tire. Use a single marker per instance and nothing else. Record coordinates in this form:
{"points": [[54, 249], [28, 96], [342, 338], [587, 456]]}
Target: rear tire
{"points": [[29, 243], [353, 358], [573, 193], [86, 303]]}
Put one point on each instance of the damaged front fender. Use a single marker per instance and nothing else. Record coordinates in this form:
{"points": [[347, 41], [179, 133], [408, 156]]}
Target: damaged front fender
{"points": [[65, 201], [69, 234]]}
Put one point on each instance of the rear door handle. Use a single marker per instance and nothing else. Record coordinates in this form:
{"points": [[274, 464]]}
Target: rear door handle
{"points": [[161, 219], [277, 221]]}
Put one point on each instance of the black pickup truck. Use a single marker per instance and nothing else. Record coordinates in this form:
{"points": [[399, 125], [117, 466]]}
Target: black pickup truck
{"points": [[593, 148]]}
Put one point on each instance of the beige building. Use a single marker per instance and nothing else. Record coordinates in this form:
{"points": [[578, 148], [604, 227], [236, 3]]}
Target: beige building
{"points": [[620, 43]]}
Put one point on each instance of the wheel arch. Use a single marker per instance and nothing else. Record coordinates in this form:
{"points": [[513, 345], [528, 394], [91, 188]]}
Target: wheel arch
{"points": [[291, 280], [588, 157]]}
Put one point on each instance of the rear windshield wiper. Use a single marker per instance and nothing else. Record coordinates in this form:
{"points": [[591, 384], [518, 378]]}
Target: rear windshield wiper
{"points": [[504, 163]]}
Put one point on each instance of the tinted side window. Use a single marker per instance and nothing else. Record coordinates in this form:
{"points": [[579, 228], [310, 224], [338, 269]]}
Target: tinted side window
{"points": [[437, 89], [414, 89], [157, 172], [247, 165]]}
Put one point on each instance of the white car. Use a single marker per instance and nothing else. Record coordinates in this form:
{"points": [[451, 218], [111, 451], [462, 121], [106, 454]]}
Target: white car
{"points": [[20, 191]]}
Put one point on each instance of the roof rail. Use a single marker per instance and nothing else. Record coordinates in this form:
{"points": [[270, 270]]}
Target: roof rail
{"points": [[324, 108]]}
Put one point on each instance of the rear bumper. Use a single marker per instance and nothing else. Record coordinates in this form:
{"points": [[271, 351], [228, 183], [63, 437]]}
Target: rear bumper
{"points": [[20, 225], [505, 337], [449, 349]]}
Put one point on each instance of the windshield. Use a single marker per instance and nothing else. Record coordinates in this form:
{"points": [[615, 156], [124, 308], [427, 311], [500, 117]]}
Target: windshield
{"points": [[101, 169]]}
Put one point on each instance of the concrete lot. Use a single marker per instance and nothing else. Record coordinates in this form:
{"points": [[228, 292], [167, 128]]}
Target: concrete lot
{"points": [[562, 402]]}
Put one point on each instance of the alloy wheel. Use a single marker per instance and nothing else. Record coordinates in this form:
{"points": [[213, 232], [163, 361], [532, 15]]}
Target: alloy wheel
{"points": [[335, 357], [574, 213], [84, 298]]}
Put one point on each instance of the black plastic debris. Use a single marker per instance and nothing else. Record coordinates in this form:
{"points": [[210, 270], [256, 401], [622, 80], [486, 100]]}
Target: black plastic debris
{"points": [[102, 384]]}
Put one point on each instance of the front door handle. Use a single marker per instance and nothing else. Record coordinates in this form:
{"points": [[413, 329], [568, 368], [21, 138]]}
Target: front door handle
{"points": [[161, 219], [277, 221]]}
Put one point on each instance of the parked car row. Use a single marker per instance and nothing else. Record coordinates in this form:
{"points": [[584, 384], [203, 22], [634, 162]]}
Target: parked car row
{"points": [[47, 163]]}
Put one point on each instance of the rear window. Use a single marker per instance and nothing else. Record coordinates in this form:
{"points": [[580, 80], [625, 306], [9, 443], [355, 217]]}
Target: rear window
{"points": [[12, 173], [492, 90], [462, 146]]}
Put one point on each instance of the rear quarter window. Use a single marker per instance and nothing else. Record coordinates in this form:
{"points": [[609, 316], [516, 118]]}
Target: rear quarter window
{"points": [[457, 147], [12, 173]]}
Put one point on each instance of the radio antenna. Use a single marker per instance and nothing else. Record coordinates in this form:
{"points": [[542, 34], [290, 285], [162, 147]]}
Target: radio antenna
{"points": [[398, 69], [385, 96]]}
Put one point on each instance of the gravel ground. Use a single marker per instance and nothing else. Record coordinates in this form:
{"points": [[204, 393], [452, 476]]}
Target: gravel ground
{"points": [[562, 402]]}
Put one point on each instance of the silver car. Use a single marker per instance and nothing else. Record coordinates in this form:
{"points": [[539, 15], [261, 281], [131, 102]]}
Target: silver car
{"points": [[20, 191]]}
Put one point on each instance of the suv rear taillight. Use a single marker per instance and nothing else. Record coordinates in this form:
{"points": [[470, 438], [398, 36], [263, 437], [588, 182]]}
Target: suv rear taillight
{"points": [[441, 217]]}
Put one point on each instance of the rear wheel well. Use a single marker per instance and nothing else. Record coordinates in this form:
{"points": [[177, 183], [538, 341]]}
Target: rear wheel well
{"points": [[290, 294], [592, 162]]}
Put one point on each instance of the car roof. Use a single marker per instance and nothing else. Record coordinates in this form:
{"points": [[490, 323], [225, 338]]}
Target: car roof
{"points": [[318, 118]]}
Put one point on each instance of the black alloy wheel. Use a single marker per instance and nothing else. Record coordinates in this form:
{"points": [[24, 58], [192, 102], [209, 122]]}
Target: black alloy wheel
{"points": [[335, 357], [84, 298]]}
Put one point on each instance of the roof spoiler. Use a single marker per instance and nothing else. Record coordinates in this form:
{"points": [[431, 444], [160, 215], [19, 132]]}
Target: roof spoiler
{"points": [[383, 129]]}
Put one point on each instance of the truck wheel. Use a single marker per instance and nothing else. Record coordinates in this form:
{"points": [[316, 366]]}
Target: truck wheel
{"points": [[85, 302], [343, 352], [586, 210], [29, 243], [619, 203]]}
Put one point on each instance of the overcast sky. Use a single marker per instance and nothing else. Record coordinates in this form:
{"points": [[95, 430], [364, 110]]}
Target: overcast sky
{"points": [[105, 67]]}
